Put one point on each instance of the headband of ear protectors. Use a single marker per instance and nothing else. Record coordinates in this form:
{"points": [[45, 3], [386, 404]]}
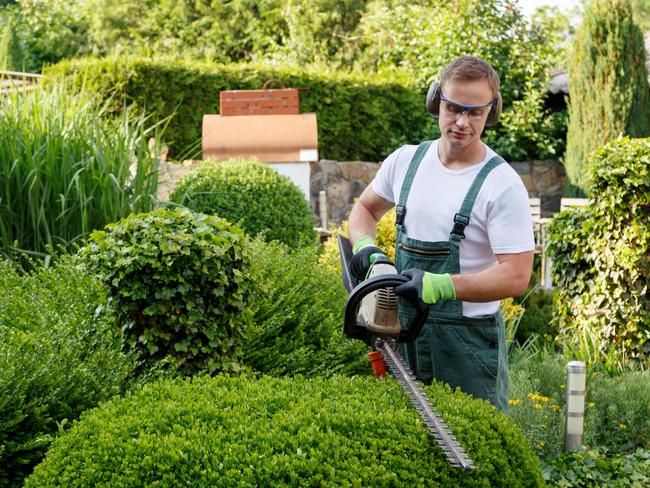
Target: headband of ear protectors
{"points": [[433, 104]]}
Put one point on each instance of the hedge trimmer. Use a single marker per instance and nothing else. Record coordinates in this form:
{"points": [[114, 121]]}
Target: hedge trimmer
{"points": [[371, 316]]}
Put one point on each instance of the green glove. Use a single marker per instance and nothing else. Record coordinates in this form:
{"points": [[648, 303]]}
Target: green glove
{"points": [[365, 254], [426, 288]]}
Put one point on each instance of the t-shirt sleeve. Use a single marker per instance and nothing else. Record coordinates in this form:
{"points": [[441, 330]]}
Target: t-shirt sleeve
{"points": [[510, 225], [385, 177]]}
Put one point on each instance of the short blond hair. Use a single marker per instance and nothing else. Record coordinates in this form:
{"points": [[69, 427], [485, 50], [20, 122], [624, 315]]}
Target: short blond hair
{"points": [[469, 68]]}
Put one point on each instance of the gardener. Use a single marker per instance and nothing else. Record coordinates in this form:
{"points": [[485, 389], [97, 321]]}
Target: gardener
{"points": [[464, 235]]}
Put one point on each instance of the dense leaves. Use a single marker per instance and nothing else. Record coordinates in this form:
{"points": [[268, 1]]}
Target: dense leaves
{"points": [[297, 432], [609, 94], [58, 357], [180, 286], [360, 117], [601, 258], [298, 317], [252, 195]]}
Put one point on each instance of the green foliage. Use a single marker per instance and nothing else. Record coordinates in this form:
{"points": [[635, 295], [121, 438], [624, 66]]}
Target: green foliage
{"points": [[298, 317], [58, 357], [422, 37], [618, 413], [66, 171], [180, 286], [537, 319], [252, 195], [597, 468], [298, 432], [360, 117], [609, 94], [601, 261]]}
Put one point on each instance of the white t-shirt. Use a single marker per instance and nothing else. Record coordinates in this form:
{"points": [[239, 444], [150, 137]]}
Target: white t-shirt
{"points": [[500, 222]]}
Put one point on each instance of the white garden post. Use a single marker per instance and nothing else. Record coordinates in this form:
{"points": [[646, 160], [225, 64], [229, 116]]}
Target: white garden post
{"points": [[575, 405]]}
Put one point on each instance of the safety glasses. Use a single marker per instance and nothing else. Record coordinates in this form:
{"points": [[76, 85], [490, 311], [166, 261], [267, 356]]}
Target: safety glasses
{"points": [[474, 112]]}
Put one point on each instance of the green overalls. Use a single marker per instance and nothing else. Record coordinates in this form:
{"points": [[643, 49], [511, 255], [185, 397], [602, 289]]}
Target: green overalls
{"points": [[464, 352]]}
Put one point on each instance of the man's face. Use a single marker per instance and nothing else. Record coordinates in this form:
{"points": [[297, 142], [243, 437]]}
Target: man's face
{"points": [[459, 126]]}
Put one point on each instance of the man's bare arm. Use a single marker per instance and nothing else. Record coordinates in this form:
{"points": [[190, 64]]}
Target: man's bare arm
{"points": [[365, 214], [509, 278]]}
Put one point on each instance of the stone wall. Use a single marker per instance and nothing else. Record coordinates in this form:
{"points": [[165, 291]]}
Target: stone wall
{"points": [[344, 181]]}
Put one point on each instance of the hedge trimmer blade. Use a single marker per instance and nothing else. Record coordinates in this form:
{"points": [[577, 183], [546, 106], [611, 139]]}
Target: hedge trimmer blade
{"points": [[438, 429]]}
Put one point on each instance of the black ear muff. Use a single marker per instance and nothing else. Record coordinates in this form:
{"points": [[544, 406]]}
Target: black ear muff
{"points": [[433, 105], [433, 99], [495, 111]]}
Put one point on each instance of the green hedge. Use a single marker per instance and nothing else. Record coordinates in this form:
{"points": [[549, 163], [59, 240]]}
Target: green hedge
{"points": [[600, 259], [360, 117], [58, 357], [180, 286], [298, 317], [251, 195], [283, 432]]}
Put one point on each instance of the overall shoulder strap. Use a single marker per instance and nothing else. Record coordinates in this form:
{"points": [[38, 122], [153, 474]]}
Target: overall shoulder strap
{"points": [[461, 219], [408, 181]]}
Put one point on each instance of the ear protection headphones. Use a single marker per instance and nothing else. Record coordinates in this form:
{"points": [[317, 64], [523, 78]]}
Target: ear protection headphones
{"points": [[433, 104]]}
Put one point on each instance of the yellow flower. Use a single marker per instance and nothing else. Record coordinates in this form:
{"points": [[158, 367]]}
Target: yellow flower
{"points": [[622, 426], [562, 386], [539, 398], [591, 404], [555, 408], [514, 402], [540, 444], [537, 406]]}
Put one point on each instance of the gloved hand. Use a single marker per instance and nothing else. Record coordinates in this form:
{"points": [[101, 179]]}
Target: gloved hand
{"points": [[365, 254], [426, 288]]}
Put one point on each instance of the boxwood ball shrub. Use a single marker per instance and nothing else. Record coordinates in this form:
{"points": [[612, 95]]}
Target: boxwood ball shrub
{"points": [[221, 431], [252, 195], [180, 286]]}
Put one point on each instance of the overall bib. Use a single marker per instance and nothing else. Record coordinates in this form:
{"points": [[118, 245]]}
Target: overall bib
{"points": [[465, 352]]}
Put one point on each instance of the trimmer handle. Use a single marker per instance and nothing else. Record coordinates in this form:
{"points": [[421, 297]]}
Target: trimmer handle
{"points": [[359, 331]]}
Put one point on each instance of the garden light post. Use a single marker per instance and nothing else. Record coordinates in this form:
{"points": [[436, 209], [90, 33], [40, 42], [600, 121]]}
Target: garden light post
{"points": [[575, 405]]}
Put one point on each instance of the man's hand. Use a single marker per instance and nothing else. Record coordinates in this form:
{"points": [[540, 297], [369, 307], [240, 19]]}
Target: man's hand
{"points": [[426, 288], [365, 254]]}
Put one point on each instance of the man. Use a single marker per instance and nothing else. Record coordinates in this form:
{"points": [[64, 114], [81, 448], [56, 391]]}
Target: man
{"points": [[464, 235]]}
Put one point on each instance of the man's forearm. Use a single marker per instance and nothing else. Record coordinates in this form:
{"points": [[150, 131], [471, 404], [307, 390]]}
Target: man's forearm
{"points": [[509, 278]]}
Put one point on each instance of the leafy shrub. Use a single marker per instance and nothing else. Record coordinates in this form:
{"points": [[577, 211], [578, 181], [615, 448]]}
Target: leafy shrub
{"points": [[253, 196], [66, 170], [298, 317], [609, 86], [360, 117], [180, 286], [385, 240], [58, 357], [269, 432], [537, 320], [597, 468], [401, 33], [618, 413], [600, 260]]}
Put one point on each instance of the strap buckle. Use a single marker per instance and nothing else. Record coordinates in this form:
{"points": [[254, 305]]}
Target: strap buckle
{"points": [[401, 213], [460, 222]]}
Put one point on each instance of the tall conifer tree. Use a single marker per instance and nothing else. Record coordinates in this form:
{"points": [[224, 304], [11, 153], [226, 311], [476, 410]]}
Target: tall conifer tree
{"points": [[608, 86]]}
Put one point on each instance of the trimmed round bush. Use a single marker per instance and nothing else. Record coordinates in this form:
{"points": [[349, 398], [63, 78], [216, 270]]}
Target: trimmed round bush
{"points": [[283, 432], [251, 195], [180, 285]]}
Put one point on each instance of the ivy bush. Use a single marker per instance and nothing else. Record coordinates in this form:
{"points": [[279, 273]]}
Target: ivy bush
{"points": [[252, 195], [180, 286], [360, 117], [298, 317], [297, 432], [601, 261], [58, 357]]}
